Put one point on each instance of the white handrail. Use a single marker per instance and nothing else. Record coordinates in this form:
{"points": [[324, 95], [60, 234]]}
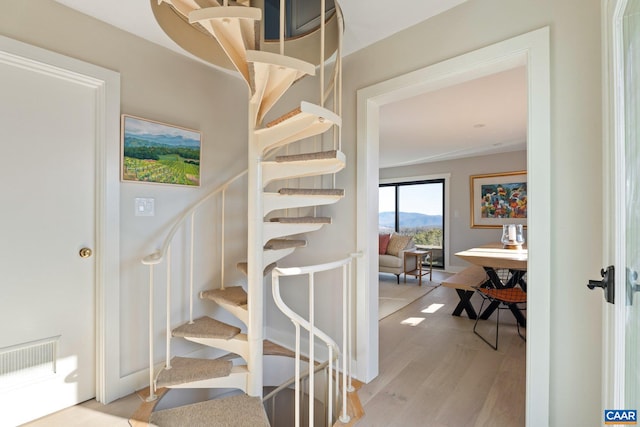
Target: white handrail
{"points": [[158, 256], [298, 321]]}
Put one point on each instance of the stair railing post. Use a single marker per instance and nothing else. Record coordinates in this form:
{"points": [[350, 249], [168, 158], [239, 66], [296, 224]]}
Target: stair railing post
{"points": [[222, 235], [255, 260], [345, 322], [282, 24], [168, 332], [322, 36], [152, 391], [312, 355], [329, 386], [191, 257]]}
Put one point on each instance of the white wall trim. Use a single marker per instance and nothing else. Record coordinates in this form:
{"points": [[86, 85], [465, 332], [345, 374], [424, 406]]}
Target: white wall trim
{"points": [[614, 209], [106, 84], [532, 50]]}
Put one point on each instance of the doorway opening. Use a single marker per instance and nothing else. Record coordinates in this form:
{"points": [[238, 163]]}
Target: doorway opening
{"points": [[532, 51]]}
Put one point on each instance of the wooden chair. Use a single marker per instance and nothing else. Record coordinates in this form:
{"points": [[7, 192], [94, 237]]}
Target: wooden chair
{"points": [[506, 298]]}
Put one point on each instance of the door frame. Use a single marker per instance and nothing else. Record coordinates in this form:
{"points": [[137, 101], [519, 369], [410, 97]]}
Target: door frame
{"points": [[613, 348], [106, 86], [532, 50]]}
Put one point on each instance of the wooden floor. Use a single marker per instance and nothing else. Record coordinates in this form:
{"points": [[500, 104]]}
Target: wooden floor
{"points": [[437, 373]]}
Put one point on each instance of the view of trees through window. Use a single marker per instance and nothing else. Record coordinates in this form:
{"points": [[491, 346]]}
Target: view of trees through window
{"points": [[416, 209]]}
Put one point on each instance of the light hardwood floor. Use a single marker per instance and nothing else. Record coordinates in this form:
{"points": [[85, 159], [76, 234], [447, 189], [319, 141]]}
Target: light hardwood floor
{"points": [[434, 374], [438, 373]]}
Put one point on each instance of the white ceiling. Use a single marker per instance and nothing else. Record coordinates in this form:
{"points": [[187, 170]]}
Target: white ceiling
{"points": [[478, 117]]}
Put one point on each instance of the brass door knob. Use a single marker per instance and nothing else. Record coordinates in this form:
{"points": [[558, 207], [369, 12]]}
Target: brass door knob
{"points": [[85, 253]]}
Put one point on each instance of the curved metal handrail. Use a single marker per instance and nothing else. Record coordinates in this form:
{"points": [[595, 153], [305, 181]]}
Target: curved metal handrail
{"points": [[158, 256]]}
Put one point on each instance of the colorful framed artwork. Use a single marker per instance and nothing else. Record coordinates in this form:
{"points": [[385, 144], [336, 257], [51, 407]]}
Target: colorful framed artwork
{"points": [[498, 199], [160, 153]]}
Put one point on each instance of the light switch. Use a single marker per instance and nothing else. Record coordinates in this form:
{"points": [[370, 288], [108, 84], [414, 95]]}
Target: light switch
{"points": [[145, 206]]}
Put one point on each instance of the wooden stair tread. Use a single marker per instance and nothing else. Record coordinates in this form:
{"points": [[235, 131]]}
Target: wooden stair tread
{"points": [[206, 327], [277, 244], [185, 370], [233, 295], [235, 411], [285, 117], [242, 266], [303, 220], [320, 155], [311, 192]]}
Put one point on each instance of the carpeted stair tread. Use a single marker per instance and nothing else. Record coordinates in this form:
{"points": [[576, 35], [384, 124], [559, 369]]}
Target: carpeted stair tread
{"points": [[242, 266], [206, 327], [269, 348], [311, 192], [233, 295], [185, 370], [303, 220], [320, 155], [235, 411], [276, 244], [284, 117]]}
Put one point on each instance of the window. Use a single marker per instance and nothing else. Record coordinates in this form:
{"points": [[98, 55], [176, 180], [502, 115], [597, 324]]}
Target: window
{"points": [[417, 209]]}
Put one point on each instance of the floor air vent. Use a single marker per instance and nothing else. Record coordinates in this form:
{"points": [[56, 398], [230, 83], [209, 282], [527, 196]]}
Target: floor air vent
{"points": [[27, 362]]}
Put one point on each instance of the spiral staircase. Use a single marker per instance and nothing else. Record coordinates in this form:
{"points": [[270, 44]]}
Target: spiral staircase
{"points": [[229, 34]]}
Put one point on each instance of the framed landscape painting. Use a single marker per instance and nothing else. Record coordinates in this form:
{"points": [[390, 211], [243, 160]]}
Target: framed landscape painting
{"points": [[499, 198], [159, 153]]}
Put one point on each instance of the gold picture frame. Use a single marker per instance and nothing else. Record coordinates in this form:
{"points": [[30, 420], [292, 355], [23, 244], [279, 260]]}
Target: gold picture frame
{"points": [[498, 199]]}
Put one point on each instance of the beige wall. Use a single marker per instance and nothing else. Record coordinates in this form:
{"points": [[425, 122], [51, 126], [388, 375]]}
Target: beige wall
{"points": [[461, 235], [576, 219], [158, 84]]}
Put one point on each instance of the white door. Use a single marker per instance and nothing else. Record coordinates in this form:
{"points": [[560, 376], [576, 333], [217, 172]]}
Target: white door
{"points": [[47, 217], [622, 214]]}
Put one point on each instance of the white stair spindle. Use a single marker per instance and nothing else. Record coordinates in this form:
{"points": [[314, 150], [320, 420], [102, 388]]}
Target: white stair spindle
{"points": [[191, 257], [222, 235], [344, 417], [311, 347], [168, 333], [152, 394]]}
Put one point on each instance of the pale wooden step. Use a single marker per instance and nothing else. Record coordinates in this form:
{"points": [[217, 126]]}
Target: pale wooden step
{"points": [[188, 370], [242, 266], [234, 27], [271, 75], [282, 227], [206, 327], [279, 244], [235, 411], [236, 379], [301, 165], [233, 299], [213, 333], [276, 255], [309, 120], [289, 198]]}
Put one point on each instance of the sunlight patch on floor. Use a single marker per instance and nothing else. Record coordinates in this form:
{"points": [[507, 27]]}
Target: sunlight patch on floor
{"points": [[432, 308], [412, 321]]}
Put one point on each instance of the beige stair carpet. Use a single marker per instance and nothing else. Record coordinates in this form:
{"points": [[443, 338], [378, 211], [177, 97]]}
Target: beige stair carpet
{"points": [[235, 411], [320, 155], [185, 370], [276, 244], [242, 266], [233, 295], [311, 192], [303, 220], [206, 327]]}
